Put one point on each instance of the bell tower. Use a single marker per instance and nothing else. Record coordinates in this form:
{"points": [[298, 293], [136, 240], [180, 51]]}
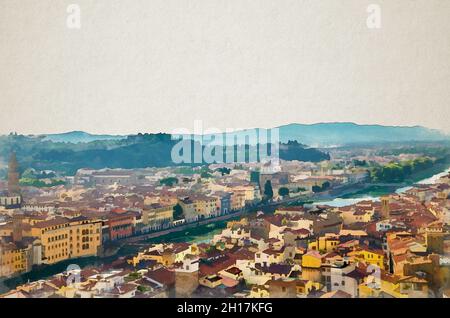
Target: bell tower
{"points": [[13, 175], [385, 208]]}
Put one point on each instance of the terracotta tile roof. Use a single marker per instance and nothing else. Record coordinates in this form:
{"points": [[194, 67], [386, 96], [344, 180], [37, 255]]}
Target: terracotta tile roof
{"points": [[243, 254], [233, 270], [123, 289], [162, 276], [54, 222], [58, 282], [214, 266], [282, 269]]}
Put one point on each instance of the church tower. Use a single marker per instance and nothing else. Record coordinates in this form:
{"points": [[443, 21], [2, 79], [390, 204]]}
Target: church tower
{"points": [[13, 175], [385, 208]]}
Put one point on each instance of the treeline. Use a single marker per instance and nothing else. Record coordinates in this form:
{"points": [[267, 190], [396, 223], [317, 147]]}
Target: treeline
{"points": [[399, 171], [441, 150], [40, 183], [138, 151]]}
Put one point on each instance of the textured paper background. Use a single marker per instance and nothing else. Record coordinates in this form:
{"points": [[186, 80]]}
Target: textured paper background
{"points": [[146, 65]]}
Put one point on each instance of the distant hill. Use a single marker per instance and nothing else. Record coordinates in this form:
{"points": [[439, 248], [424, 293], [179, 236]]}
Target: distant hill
{"points": [[313, 135], [337, 134], [79, 136]]}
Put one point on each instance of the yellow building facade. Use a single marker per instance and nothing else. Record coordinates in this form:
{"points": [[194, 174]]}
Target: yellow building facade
{"points": [[157, 214], [14, 259], [324, 244], [63, 238], [312, 260], [370, 257]]}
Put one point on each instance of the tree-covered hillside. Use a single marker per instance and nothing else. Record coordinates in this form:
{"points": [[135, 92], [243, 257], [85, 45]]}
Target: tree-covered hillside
{"points": [[136, 151]]}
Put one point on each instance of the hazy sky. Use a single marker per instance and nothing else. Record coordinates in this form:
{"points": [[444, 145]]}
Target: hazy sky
{"points": [[149, 66]]}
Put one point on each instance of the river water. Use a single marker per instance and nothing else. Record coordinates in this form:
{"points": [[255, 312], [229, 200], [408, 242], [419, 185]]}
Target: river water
{"points": [[340, 202]]}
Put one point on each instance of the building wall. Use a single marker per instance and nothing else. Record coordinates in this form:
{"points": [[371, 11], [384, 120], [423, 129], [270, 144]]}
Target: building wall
{"points": [[15, 261], [120, 227], [206, 207], [225, 204], [86, 239], [188, 211], [157, 216], [69, 240], [13, 201], [237, 200], [185, 283], [286, 290]]}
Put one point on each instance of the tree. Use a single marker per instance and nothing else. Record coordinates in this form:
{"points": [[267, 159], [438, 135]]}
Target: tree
{"points": [[169, 181], [29, 173], [254, 176], [205, 175], [324, 186], [399, 171], [268, 191], [142, 289], [316, 188], [283, 191], [177, 212], [224, 170], [359, 163]]}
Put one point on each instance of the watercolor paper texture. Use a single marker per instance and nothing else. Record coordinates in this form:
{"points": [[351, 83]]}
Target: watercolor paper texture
{"points": [[224, 149]]}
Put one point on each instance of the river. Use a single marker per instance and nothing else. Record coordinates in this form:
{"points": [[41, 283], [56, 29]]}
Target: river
{"points": [[352, 199]]}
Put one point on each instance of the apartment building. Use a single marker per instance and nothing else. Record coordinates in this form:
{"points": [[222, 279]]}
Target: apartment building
{"points": [[63, 238]]}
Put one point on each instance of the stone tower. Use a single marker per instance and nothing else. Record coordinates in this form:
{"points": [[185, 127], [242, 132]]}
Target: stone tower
{"points": [[186, 277], [13, 175], [385, 208]]}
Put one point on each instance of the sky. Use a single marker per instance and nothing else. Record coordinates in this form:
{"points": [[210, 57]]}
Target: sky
{"points": [[159, 65]]}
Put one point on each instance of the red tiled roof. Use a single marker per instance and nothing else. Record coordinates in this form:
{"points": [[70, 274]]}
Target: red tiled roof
{"points": [[162, 276]]}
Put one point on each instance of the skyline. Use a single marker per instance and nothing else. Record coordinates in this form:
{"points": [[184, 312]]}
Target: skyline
{"points": [[151, 67]]}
